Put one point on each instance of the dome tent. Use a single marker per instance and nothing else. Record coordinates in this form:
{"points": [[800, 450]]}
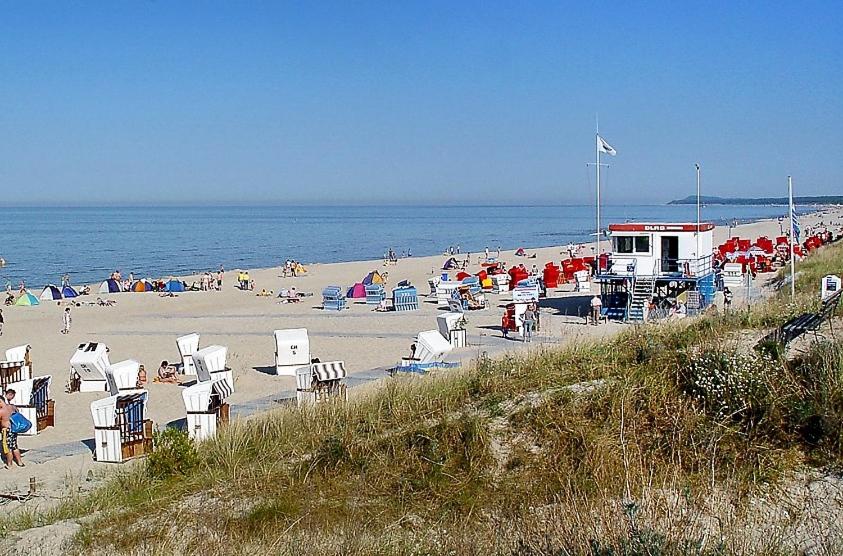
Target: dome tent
{"points": [[110, 286], [174, 286], [26, 299], [50, 293], [68, 292]]}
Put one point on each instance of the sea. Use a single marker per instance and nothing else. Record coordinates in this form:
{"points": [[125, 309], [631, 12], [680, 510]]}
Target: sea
{"points": [[40, 244]]}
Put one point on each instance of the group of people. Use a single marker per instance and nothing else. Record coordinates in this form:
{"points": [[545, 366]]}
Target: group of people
{"points": [[244, 282], [292, 268]]}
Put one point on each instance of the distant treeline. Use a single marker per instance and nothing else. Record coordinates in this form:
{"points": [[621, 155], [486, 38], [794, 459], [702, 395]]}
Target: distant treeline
{"points": [[818, 200]]}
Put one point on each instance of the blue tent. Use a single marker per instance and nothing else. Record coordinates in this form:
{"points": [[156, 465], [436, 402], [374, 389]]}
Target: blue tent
{"points": [[174, 286], [110, 286], [68, 292]]}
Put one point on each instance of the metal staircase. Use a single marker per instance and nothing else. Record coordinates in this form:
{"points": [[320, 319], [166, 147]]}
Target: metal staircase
{"points": [[642, 291]]}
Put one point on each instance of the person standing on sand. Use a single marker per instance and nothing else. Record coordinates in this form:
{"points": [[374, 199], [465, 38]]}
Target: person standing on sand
{"points": [[2, 322], [528, 320], [66, 320], [219, 278], [8, 439], [596, 306]]}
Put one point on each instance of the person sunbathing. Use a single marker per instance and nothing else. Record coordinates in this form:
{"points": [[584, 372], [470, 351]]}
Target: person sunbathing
{"points": [[167, 373]]}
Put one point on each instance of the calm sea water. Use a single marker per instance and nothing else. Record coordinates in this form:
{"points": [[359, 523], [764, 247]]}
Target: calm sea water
{"points": [[42, 243]]}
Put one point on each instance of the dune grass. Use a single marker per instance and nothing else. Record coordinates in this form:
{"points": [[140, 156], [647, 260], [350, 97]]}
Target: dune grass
{"points": [[613, 447]]}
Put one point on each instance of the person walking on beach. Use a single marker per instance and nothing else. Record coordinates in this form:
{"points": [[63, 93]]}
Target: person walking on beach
{"points": [[66, 320], [8, 439], [596, 306], [528, 320], [2, 321], [487, 252], [219, 279]]}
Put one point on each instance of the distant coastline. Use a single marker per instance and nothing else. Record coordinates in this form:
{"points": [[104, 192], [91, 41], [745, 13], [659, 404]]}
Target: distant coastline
{"points": [[816, 200]]}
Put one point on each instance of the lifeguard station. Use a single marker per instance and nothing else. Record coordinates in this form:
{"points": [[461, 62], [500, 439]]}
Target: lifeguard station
{"points": [[87, 368], [121, 429], [656, 260]]}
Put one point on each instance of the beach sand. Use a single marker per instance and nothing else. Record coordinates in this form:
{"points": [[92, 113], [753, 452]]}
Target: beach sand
{"points": [[144, 327]]}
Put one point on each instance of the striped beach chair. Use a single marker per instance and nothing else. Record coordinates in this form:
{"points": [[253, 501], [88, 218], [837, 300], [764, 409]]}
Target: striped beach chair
{"points": [[375, 293], [333, 298], [405, 299]]}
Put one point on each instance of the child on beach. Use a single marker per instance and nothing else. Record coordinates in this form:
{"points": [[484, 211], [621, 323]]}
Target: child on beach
{"points": [[66, 320]]}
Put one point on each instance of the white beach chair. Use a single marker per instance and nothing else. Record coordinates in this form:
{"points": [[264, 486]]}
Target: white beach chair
{"points": [[450, 327], [188, 345], [121, 429], [87, 367], [206, 407], [210, 365], [122, 376], [32, 398], [292, 351]]}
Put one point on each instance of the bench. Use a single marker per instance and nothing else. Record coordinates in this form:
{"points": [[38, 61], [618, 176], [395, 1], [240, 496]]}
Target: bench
{"points": [[806, 322]]}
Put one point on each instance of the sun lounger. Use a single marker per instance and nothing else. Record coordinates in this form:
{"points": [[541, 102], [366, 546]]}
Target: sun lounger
{"points": [[32, 398], [206, 408], [188, 345], [320, 382], [121, 429], [87, 368], [292, 351]]}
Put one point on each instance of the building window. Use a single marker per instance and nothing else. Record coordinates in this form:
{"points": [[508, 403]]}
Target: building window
{"points": [[623, 244], [642, 244]]}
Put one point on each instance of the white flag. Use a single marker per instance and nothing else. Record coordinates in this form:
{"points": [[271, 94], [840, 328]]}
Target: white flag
{"points": [[605, 147]]}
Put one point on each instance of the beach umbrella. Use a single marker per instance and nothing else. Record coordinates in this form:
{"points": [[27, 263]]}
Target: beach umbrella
{"points": [[26, 299]]}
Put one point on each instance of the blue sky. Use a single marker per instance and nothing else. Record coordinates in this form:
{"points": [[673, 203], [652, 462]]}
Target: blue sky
{"points": [[181, 102]]}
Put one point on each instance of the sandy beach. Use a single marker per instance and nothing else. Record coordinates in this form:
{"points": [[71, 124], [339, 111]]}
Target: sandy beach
{"points": [[144, 327]]}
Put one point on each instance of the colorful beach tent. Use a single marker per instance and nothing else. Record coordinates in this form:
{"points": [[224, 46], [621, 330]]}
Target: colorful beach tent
{"points": [[373, 277], [68, 292], [450, 264], [174, 286], [26, 299], [357, 290], [50, 293], [141, 286], [110, 286]]}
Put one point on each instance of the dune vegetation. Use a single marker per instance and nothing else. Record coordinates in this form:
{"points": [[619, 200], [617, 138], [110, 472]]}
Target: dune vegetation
{"points": [[668, 439]]}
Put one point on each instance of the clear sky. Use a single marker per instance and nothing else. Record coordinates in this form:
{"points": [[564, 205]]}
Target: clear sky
{"points": [[174, 102]]}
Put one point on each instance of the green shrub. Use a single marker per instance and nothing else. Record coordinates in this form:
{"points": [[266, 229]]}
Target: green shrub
{"points": [[174, 454]]}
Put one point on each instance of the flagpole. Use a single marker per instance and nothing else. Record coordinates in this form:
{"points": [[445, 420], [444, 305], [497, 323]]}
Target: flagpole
{"points": [[699, 256], [792, 239], [597, 237]]}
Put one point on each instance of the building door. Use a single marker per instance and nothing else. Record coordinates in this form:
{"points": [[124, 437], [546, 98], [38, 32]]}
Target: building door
{"points": [[670, 254]]}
